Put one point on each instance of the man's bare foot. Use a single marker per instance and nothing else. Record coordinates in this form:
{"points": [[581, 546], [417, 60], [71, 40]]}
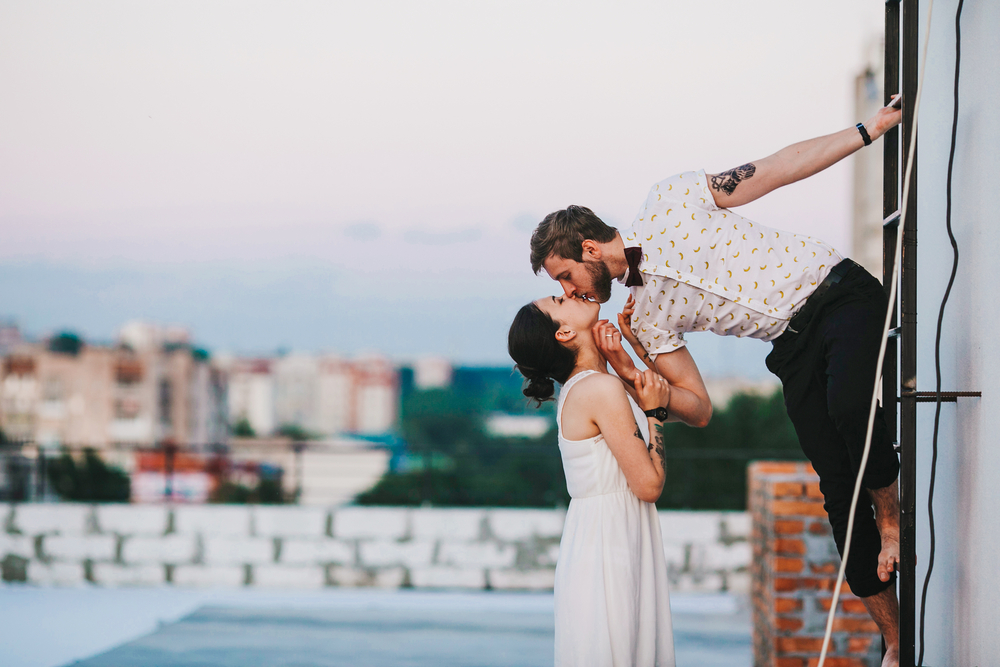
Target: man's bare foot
{"points": [[886, 502], [888, 558]]}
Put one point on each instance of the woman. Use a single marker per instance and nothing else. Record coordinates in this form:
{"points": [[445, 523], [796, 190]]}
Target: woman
{"points": [[612, 605]]}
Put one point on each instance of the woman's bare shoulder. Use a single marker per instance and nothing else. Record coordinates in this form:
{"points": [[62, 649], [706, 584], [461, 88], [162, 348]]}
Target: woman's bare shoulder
{"points": [[600, 386]]}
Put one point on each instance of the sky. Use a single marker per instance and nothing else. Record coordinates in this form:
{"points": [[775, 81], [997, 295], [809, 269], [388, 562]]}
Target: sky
{"points": [[348, 177]]}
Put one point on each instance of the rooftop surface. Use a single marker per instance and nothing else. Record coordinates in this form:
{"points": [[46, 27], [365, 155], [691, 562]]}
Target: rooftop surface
{"points": [[166, 627]]}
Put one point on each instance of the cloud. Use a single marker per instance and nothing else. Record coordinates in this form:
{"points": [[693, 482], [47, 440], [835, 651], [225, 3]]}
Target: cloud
{"points": [[363, 231], [424, 237]]}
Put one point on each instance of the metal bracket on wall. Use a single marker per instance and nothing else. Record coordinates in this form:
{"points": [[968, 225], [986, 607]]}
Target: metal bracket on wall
{"points": [[946, 396]]}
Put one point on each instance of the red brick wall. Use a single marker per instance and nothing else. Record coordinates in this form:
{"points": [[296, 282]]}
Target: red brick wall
{"points": [[794, 571]]}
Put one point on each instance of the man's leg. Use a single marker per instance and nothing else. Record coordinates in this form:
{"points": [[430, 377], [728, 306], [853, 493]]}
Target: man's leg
{"points": [[884, 610], [852, 335], [802, 367]]}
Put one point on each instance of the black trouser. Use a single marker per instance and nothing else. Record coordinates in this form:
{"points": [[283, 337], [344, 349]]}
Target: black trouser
{"points": [[827, 371]]}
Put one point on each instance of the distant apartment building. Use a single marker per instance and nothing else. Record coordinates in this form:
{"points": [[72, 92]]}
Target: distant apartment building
{"points": [[432, 373], [10, 336], [866, 227], [325, 395], [251, 394], [148, 388], [55, 397]]}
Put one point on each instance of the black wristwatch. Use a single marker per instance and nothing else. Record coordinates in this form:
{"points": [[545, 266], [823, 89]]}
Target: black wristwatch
{"points": [[657, 413]]}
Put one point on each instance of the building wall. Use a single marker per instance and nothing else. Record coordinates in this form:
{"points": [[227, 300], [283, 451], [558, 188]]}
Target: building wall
{"points": [[325, 473], [324, 395], [964, 593], [296, 380], [105, 395], [251, 394], [866, 221], [335, 397], [314, 547], [55, 398]]}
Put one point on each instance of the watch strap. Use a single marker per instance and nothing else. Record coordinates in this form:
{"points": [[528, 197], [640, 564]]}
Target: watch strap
{"points": [[865, 137]]}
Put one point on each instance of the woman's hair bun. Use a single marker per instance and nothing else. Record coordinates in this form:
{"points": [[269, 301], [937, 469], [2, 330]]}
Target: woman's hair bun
{"points": [[532, 345], [540, 389]]}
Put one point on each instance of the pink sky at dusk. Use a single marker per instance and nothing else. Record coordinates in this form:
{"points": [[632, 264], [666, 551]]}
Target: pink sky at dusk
{"points": [[427, 137]]}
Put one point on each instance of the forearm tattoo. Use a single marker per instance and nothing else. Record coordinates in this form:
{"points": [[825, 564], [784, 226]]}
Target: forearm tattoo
{"points": [[728, 180], [657, 445]]}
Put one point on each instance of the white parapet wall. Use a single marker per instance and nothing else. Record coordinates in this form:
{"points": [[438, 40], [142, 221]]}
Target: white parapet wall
{"points": [[313, 547]]}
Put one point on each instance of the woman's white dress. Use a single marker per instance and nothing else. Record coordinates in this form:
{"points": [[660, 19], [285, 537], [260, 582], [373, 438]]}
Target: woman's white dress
{"points": [[612, 606]]}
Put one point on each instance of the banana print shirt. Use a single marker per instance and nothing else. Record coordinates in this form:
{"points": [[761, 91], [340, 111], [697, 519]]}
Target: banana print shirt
{"points": [[707, 268]]}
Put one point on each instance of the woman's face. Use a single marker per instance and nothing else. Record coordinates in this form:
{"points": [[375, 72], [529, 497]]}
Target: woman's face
{"points": [[577, 314]]}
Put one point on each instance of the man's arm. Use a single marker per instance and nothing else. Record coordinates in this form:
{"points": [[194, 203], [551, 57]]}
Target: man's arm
{"points": [[755, 179], [689, 400]]}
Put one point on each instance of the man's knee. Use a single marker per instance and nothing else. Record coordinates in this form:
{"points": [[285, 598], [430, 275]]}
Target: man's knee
{"points": [[866, 584], [849, 411]]}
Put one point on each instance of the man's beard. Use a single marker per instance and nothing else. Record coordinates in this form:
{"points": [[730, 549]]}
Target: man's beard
{"points": [[600, 277]]}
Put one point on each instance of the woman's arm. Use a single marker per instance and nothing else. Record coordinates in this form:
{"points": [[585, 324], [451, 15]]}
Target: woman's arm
{"points": [[642, 463]]}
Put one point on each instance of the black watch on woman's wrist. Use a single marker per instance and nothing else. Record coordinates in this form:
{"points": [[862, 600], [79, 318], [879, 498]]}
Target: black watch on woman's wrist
{"points": [[657, 413]]}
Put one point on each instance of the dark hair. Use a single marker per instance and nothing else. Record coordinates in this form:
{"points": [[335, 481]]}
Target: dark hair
{"points": [[532, 344], [562, 234]]}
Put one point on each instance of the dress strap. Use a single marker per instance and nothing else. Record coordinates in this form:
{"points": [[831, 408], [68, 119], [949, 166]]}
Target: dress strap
{"points": [[564, 392]]}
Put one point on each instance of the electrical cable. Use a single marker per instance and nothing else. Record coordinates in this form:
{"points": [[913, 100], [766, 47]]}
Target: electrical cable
{"points": [[940, 322], [897, 260]]}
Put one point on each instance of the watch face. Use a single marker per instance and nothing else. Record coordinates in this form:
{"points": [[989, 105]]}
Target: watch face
{"points": [[657, 413]]}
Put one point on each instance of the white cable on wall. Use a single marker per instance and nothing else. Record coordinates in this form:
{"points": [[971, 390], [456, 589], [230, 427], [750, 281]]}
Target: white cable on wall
{"points": [[885, 336]]}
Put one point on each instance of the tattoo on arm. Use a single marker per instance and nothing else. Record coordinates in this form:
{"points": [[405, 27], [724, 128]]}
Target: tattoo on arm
{"points": [[728, 180], [657, 445]]}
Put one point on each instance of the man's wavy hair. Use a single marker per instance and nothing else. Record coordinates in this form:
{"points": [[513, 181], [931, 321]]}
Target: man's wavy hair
{"points": [[562, 234]]}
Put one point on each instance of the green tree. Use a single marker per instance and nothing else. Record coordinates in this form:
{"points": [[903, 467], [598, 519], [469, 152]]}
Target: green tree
{"points": [[243, 429], [458, 463], [295, 432], [93, 481], [66, 342], [706, 468]]}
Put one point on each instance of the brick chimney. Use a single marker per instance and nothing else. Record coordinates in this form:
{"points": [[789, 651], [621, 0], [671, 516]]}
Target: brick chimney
{"points": [[794, 572]]}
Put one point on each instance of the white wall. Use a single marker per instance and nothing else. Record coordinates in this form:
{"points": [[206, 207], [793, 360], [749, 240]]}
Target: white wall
{"points": [[313, 547], [964, 594]]}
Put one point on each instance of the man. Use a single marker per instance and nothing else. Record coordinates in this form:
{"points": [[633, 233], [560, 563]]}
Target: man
{"points": [[694, 265]]}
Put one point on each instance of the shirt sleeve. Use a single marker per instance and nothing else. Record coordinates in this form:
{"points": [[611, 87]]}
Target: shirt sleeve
{"points": [[656, 340], [689, 187]]}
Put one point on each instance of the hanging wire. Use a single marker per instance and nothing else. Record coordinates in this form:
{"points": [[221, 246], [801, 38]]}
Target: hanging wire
{"points": [[940, 322]]}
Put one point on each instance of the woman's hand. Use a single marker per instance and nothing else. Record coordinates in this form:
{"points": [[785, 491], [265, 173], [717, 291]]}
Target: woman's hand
{"points": [[652, 389], [609, 343]]}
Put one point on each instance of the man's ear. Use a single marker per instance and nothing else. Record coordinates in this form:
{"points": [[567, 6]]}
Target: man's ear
{"points": [[565, 334], [591, 249]]}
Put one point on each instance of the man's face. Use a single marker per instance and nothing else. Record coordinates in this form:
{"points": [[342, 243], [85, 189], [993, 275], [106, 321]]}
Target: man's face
{"points": [[589, 279]]}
